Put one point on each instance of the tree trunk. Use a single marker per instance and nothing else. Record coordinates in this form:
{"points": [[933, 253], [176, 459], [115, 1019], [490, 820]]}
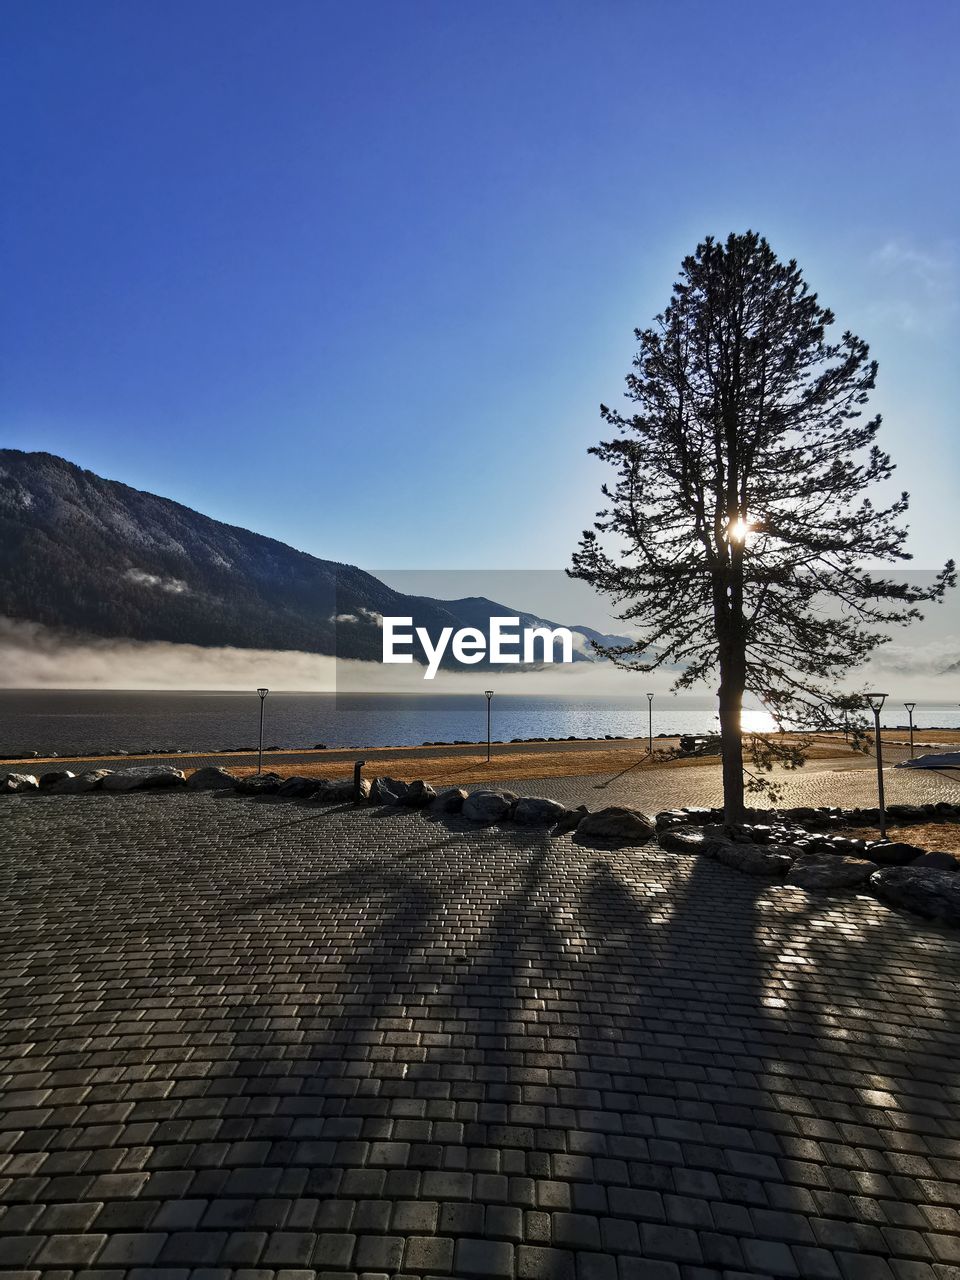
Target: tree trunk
{"points": [[732, 683]]}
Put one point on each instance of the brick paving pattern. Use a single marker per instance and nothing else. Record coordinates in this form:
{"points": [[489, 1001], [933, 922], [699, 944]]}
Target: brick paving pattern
{"points": [[272, 1042]]}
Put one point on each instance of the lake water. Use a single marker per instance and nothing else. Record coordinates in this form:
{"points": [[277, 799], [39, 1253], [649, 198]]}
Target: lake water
{"points": [[73, 722]]}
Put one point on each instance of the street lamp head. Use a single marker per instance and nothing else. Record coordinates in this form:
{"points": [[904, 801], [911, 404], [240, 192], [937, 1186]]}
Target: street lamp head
{"points": [[650, 696], [875, 701], [910, 705], [263, 692], [488, 693]]}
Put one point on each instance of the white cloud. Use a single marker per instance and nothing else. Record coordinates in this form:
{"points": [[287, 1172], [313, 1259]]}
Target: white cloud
{"points": [[917, 289], [362, 615], [144, 579]]}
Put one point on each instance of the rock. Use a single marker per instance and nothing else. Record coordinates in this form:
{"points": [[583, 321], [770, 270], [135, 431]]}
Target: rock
{"points": [[339, 791], [13, 783], [937, 861], [54, 776], [487, 806], [210, 778], [449, 801], [756, 860], [77, 786], [571, 820], [905, 812], [671, 818], [141, 777], [258, 784], [538, 811], [297, 787], [688, 842], [929, 893], [821, 872], [418, 795], [387, 791], [629, 826], [892, 853], [848, 845]]}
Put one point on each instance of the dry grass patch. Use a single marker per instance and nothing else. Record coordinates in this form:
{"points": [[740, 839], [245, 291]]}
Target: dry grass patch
{"points": [[941, 836], [473, 767]]}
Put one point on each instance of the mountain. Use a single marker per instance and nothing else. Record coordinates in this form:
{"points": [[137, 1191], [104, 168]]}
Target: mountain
{"points": [[89, 555]]}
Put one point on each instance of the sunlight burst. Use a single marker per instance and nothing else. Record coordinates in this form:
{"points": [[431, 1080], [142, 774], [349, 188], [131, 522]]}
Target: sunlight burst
{"points": [[738, 529]]}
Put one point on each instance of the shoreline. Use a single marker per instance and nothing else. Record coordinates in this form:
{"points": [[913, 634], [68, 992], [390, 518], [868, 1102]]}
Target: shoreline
{"points": [[529, 759], [610, 742]]}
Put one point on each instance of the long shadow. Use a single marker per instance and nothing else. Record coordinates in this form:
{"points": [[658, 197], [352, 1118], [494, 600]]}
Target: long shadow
{"points": [[650, 1040], [623, 772]]}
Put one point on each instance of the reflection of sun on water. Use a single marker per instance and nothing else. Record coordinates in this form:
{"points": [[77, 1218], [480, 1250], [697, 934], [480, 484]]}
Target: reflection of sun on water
{"points": [[755, 720]]}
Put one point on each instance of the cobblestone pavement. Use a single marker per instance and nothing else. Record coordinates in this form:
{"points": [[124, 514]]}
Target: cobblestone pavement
{"points": [[252, 1039], [657, 789]]}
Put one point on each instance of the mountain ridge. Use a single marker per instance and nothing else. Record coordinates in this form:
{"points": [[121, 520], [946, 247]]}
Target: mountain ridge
{"points": [[85, 554]]}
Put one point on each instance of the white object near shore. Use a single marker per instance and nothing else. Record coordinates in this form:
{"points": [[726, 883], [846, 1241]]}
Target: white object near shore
{"points": [[943, 760]]}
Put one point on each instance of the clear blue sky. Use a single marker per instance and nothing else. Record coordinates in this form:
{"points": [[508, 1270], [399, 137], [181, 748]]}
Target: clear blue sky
{"points": [[359, 275]]}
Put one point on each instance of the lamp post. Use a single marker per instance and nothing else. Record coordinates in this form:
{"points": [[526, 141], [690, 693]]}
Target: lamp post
{"points": [[261, 694], [650, 721], [910, 706], [875, 701], [488, 694]]}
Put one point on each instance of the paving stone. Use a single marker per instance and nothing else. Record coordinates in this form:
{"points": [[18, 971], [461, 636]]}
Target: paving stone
{"points": [[483, 1258], [428, 1253], [70, 1250], [248, 1040]]}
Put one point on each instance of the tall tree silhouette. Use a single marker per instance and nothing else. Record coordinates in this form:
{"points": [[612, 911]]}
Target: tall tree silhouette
{"points": [[739, 517]]}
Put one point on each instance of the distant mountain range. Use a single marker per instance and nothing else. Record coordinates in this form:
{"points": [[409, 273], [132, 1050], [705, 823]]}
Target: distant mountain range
{"points": [[96, 557]]}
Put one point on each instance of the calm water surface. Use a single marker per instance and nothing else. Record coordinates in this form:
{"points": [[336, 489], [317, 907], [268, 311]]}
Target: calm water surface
{"points": [[68, 721]]}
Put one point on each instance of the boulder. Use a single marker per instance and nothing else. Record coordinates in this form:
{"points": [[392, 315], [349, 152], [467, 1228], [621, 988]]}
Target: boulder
{"points": [[671, 818], [688, 842], [297, 787], [892, 853], [387, 791], [210, 778], [848, 845], [926, 892], [487, 806], [90, 781], [449, 801], [258, 784], [571, 820], [141, 777], [13, 783], [339, 791], [418, 795], [53, 776], [819, 873], [629, 826], [538, 811], [756, 860], [937, 861]]}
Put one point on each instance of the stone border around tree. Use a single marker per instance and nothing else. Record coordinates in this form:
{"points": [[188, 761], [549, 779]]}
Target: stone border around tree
{"points": [[799, 846]]}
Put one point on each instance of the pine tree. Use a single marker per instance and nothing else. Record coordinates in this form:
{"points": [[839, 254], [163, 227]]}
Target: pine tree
{"points": [[739, 513]]}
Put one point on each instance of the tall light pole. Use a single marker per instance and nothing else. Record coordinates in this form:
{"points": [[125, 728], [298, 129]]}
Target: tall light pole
{"points": [[910, 706], [261, 694], [875, 701], [488, 694], [650, 721]]}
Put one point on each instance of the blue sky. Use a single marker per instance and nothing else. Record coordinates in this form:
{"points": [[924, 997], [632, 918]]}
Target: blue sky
{"points": [[358, 275]]}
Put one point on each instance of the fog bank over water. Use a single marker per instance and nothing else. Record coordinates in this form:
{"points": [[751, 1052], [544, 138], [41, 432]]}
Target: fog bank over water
{"points": [[35, 657]]}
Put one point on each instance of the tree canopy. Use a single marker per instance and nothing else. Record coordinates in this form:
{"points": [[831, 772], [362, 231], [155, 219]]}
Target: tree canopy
{"points": [[741, 527]]}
